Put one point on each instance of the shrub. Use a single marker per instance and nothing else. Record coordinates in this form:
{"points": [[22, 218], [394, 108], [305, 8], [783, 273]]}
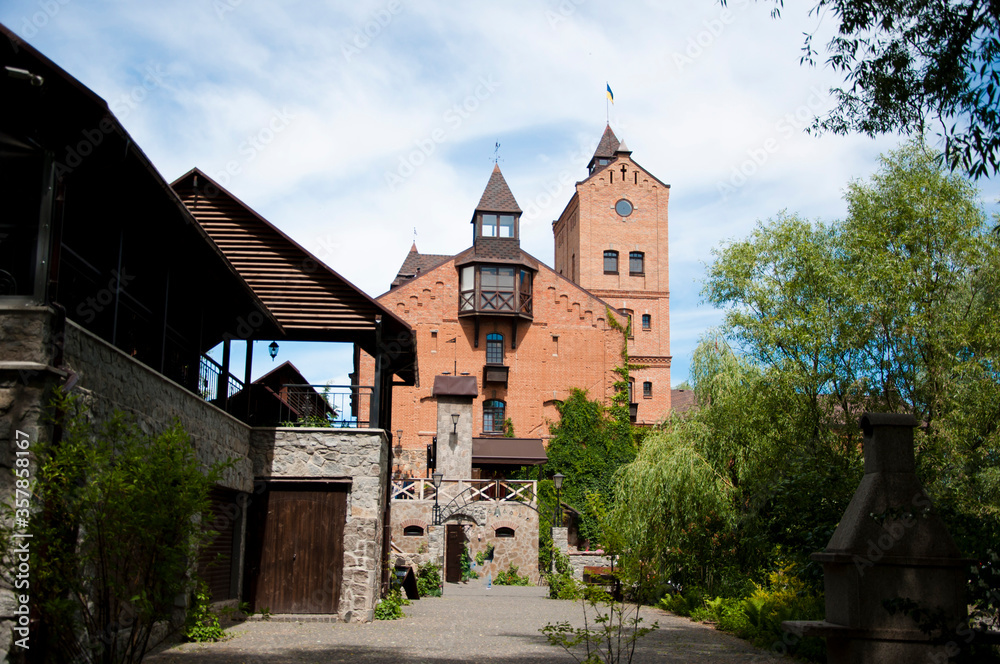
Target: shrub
{"points": [[429, 580], [510, 577], [201, 624], [391, 606]]}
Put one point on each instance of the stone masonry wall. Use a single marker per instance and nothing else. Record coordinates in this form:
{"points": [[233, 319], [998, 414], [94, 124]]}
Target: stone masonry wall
{"points": [[113, 380], [480, 520], [363, 456]]}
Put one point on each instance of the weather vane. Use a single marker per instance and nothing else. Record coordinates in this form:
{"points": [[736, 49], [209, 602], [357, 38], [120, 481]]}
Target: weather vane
{"points": [[496, 153]]}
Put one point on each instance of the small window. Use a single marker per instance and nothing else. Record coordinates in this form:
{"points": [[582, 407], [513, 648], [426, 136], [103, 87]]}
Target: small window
{"points": [[494, 348], [413, 531], [647, 322], [504, 532], [636, 261], [647, 390], [610, 262], [623, 207], [506, 225], [628, 322], [493, 415], [631, 390]]}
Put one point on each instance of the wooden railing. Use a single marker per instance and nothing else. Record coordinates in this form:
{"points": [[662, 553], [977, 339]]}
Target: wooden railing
{"points": [[521, 491]]}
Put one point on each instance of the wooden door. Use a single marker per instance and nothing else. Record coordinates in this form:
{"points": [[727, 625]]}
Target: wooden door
{"points": [[215, 561], [301, 553], [453, 553]]}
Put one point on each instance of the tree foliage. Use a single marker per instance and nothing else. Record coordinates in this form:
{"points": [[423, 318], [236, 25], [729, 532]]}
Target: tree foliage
{"points": [[917, 65], [114, 535], [891, 309]]}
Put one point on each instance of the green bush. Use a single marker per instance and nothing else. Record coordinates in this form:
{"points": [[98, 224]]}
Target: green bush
{"points": [[510, 577], [391, 606], [201, 624], [429, 580]]}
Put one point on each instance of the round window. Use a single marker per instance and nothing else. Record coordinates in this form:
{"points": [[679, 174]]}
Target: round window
{"points": [[623, 208]]}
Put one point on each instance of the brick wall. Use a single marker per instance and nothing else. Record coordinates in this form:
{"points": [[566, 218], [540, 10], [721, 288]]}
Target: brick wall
{"points": [[568, 344]]}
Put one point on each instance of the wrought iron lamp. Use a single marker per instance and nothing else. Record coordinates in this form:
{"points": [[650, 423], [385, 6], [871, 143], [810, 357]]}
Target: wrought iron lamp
{"points": [[454, 422], [272, 350], [557, 481], [436, 515]]}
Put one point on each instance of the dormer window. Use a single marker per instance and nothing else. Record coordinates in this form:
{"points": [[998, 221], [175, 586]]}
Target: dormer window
{"points": [[496, 225], [489, 289]]}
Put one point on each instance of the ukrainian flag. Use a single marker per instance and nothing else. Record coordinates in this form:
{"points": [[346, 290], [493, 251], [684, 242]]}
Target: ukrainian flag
{"points": [[611, 95]]}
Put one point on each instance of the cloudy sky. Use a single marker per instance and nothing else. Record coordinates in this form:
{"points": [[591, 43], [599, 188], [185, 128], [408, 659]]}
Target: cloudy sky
{"points": [[358, 126]]}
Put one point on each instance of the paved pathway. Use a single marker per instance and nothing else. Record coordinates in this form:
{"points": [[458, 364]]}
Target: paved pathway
{"points": [[468, 624]]}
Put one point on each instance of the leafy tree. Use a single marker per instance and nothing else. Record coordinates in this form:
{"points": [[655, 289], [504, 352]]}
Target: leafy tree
{"points": [[114, 534], [908, 65]]}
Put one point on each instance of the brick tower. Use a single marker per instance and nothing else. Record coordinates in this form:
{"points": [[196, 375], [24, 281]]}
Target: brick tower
{"points": [[611, 239]]}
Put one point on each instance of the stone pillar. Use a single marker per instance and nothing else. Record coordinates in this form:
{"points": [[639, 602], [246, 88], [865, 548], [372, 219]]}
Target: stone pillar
{"points": [[890, 544], [454, 395]]}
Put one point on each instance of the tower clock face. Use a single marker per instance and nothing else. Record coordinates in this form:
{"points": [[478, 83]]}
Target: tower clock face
{"points": [[623, 208]]}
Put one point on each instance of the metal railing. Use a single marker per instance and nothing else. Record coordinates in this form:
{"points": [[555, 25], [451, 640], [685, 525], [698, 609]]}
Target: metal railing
{"points": [[210, 380], [342, 406], [521, 491]]}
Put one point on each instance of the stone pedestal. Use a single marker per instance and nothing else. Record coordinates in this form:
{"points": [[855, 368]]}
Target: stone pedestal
{"points": [[454, 395]]}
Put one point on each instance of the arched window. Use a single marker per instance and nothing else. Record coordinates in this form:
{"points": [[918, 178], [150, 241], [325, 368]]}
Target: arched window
{"points": [[636, 262], [647, 322], [504, 532], [611, 262], [413, 531], [647, 389], [494, 348], [493, 415]]}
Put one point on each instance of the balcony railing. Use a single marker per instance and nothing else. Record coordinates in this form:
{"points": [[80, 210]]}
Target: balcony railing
{"points": [[211, 383], [323, 405], [468, 491]]}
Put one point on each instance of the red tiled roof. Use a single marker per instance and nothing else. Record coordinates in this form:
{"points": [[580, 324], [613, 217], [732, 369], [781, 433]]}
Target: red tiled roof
{"points": [[681, 401], [497, 196]]}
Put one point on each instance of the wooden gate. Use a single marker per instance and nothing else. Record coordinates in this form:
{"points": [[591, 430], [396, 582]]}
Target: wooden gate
{"points": [[296, 559], [216, 560], [453, 553]]}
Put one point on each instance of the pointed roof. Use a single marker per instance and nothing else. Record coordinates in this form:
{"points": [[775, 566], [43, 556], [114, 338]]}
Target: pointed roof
{"points": [[497, 196], [622, 149], [415, 264], [608, 145]]}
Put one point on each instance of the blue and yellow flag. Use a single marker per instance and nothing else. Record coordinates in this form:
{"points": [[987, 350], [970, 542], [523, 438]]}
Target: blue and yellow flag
{"points": [[611, 95]]}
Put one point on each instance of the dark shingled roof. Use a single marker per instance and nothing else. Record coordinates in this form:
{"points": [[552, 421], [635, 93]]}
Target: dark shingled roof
{"points": [[455, 386], [608, 145], [681, 401], [416, 263], [496, 250], [497, 196]]}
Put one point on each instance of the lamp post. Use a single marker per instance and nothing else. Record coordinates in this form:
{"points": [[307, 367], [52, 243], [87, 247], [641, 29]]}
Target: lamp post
{"points": [[454, 422], [436, 478], [272, 350], [557, 480]]}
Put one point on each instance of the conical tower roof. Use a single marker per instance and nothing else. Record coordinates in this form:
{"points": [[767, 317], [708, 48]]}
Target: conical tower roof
{"points": [[497, 196], [608, 146]]}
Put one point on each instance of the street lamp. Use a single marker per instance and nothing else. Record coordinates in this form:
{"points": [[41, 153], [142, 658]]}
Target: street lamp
{"points": [[557, 480], [436, 478], [454, 422], [272, 350]]}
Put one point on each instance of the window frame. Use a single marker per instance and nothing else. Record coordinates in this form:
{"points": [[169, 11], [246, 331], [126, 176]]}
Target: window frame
{"points": [[493, 339], [647, 389], [641, 257], [496, 222], [410, 527], [647, 322], [490, 405], [610, 254], [512, 535]]}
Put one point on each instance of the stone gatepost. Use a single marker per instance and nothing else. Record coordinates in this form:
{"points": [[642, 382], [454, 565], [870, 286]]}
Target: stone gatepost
{"points": [[454, 395], [889, 545]]}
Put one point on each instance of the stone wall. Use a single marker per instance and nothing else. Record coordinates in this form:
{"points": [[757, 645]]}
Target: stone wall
{"points": [[577, 559], [113, 380], [480, 520], [359, 454]]}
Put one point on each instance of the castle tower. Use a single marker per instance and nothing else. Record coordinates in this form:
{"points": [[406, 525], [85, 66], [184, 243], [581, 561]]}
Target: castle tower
{"points": [[611, 239]]}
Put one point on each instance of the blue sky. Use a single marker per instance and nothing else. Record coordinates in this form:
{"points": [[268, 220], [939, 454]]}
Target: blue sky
{"points": [[350, 124]]}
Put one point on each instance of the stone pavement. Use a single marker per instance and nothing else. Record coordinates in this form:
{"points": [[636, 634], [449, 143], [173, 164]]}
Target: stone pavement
{"points": [[468, 624]]}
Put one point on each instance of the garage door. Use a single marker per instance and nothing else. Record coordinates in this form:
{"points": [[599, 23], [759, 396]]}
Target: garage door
{"points": [[300, 553]]}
